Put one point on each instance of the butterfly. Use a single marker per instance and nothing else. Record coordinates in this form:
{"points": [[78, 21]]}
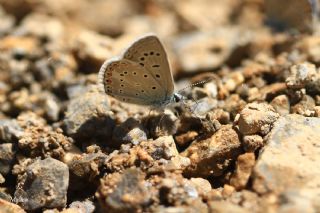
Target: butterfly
{"points": [[141, 75]]}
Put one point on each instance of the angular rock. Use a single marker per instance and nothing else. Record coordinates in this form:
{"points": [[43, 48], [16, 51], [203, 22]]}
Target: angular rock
{"points": [[257, 118], [304, 75], [252, 143], [210, 157], [44, 184], [125, 192], [244, 167], [281, 104], [87, 165], [289, 164], [7, 157], [9, 130], [305, 107]]}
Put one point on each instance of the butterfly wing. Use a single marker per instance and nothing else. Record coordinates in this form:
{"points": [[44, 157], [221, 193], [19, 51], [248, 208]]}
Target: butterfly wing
{"points": [[130, 82], [149, 53]]}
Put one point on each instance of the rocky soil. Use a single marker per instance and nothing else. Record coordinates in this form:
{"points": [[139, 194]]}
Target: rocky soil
{"points": [[246, 140]]}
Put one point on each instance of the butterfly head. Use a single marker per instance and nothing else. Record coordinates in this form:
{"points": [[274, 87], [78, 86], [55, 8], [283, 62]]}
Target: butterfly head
{"points": [[177, 97]]}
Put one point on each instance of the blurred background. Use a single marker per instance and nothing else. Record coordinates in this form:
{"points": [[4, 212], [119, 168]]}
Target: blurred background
{"points": [[199, 34]]}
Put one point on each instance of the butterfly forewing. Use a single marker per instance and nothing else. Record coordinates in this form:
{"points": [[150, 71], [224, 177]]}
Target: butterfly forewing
{"points": [[126, 81], [149, 53]]}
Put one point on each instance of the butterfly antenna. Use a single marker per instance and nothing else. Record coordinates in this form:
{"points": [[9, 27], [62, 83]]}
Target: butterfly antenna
{"points": [[190, 86], [195, 84]]}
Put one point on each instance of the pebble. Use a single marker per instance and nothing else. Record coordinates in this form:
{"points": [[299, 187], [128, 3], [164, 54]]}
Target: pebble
{"points": [[257, 118], [244, 167], [301, 75], [130, 131], [211, 157], [281, 104], [53, 178], [252, 143], [124, 192], [86, 206], [10, 130], [87, 166], [7, 158], [305, 107]]}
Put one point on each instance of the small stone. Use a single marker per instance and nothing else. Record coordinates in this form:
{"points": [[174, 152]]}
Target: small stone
{"points": [[160, 124], [233, 104], [305, 107], [7, 158], [301, 75], [257, 118], [87, 112], [203, 106], [251, 143], [186, 138], [87, 166], [124, 192], [203, 186], [281, 104], [44, 184], [212, 156], [244, 167], [86, 206], [9, 130], [228, 190], [219, 114], [8, 207], [130, 131], [233, 80]]}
